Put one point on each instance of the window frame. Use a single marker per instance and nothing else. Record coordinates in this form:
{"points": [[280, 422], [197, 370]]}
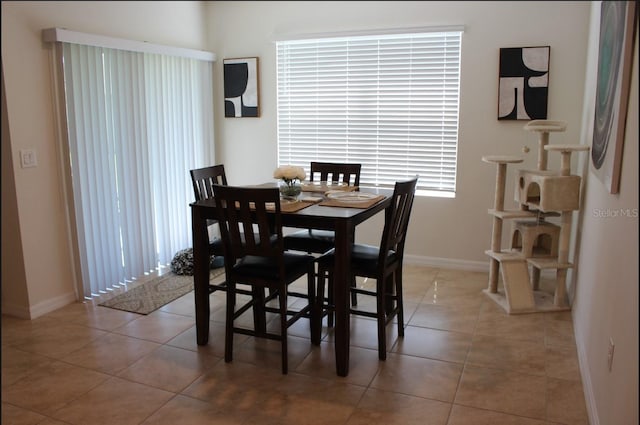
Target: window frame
{"points": [[293, 152]]}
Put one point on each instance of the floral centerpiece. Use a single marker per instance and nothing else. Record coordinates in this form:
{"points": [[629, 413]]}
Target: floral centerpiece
{"points": [[290, 177]]}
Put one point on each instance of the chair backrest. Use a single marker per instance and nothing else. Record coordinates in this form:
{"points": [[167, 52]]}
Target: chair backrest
{"points": [[203, 180], [336, 172], [396, 219], [250, 223]]}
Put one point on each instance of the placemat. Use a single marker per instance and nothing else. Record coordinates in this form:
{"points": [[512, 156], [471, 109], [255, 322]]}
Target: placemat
{"points": [[295, 206], [325, 186], [290, 207], [363, 205]]}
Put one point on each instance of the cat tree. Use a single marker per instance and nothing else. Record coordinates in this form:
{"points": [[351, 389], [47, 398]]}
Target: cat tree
{"points": [[536, 243]]}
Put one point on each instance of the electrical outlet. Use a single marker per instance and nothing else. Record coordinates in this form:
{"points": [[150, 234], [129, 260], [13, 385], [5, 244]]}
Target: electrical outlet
{"points": [[612, 347], [28, 158]]}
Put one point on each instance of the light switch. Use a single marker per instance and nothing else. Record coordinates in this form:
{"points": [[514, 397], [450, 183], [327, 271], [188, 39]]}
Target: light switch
{"points": [[28, 158]]}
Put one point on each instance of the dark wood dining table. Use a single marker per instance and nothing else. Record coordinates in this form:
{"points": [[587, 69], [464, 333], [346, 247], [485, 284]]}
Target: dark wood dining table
{"points": [[339, 219]]}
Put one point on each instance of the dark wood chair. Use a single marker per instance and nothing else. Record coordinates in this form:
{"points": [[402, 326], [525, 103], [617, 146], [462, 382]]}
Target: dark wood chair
{"points": [[203, 180], [321, 241], [251, 229], [335, 172], [382, 263]]}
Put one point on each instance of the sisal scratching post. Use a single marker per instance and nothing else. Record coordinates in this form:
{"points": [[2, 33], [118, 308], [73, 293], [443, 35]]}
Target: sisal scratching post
{"points": [[498, 206]]}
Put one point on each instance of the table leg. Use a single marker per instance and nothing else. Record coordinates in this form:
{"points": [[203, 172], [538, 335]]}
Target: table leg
{"points": [[200, 275], [341, 285]]}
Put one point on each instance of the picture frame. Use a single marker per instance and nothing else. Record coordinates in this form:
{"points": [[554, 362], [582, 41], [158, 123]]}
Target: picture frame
{"points": [[241, 87], [615, 56], [523, 83]]}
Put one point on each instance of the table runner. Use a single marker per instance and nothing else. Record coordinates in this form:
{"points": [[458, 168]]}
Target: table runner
{"points": [[290, 207]]}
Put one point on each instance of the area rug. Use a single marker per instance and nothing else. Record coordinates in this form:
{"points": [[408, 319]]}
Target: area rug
{"points": [[156, 292]]}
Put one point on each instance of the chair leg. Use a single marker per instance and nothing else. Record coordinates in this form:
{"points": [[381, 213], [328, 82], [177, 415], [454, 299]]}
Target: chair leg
{"points": [[322, 273], [399, 302], [228, 334], [316, 307], [354, 296], [389, 291], [283, 329], [259, 314], [382, 320]]}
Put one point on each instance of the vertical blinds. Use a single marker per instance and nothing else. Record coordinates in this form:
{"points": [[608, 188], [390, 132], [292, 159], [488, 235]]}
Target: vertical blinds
{"points": [[137, 123], [389, 102]]}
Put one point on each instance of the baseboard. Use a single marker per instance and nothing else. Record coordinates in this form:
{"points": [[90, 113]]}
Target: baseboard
{"points": [[40, 309], [457, 264], [448, 263], [587, 386], [16, 311]]}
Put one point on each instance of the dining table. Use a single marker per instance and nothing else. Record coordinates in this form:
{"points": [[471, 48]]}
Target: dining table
{"points": [[316, 215]]}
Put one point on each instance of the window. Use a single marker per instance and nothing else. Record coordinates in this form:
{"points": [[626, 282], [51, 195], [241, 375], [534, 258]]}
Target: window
{"points": [[389, 102], [134, 124]]}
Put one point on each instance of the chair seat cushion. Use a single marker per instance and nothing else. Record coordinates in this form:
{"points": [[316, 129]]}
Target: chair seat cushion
{"points": [[316, 241], [215, 247], [364, 259], [295, 265]]}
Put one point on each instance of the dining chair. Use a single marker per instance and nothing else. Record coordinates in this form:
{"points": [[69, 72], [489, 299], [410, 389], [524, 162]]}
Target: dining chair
{"points": [[203, 180], [321, 241], [259, 259], [382, 263], [336, 172]]}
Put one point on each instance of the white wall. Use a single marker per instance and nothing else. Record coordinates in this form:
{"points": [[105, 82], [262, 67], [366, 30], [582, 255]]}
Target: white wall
{"points": [[47, 276], [14, 290], [606, 302], [442, 231]]}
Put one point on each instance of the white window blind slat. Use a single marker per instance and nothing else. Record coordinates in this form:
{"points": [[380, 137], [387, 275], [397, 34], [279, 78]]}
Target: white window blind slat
{"points": [[389, 102]]}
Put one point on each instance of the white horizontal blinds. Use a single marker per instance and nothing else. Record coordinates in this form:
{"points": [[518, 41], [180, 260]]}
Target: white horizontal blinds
{"points": [[389, 102], [138, 122]]}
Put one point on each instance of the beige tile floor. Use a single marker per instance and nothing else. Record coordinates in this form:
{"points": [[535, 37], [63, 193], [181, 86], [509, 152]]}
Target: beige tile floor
{"points": [[462, 361]]}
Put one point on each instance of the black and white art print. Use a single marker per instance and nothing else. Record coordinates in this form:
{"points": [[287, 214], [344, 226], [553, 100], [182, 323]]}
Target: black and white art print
{"points": [[523, 83], [241, 87]]}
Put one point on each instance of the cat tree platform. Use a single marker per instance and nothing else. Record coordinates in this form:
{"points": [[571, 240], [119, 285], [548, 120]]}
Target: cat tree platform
{"points": [[535, 244]]}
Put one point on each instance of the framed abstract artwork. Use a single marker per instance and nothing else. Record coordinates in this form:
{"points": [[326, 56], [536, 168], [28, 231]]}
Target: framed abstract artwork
{"points": [[523, 86], [241, 87], [615, 54]]}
